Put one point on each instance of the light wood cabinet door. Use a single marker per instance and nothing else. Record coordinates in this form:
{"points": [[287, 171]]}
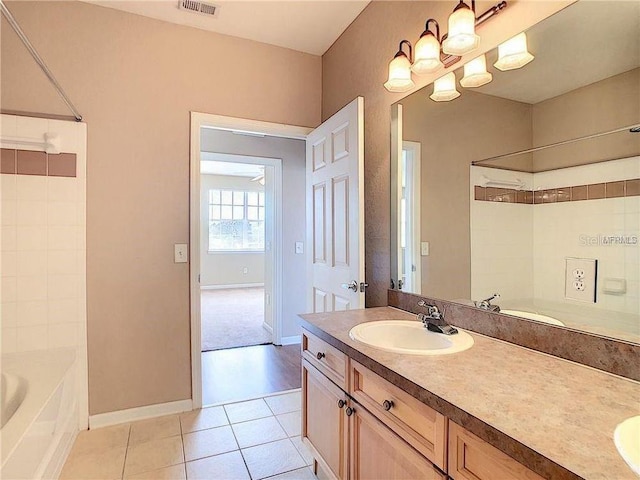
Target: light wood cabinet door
{"points": [[471, 458], [324, 423], [376, 453]]}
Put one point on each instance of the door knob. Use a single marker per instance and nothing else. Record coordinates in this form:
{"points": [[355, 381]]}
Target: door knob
{"points": [[353, 285], [387, 405], [320, 355], [341, 403], [349, 411]]}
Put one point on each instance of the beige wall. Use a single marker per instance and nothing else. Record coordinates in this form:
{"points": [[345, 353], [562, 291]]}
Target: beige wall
{"points": [[135, 80], [600, 107], [452, 135], [357, 63]]}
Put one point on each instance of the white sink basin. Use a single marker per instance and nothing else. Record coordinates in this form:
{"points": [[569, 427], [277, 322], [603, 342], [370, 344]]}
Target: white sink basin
{"points": [[409, 337], [627, 439], [533, 316]]}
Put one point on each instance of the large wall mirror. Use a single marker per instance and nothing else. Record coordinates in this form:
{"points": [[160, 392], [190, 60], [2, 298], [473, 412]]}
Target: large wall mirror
{"points": [[529, 186]]}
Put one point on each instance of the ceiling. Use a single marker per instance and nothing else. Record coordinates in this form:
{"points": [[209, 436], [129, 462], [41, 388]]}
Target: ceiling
{"points": [[309, 26], [582, 44]]}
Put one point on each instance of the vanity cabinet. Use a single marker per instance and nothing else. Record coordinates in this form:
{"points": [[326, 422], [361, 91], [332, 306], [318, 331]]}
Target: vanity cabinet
{"points": [[471, 458], [345, 438], [360, 426]]}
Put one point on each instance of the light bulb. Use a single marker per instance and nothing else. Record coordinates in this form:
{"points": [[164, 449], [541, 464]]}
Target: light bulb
{"points": [[427, 59], [462, 36], [475, 73], [399, 74], [513, 53], [444, 88]]}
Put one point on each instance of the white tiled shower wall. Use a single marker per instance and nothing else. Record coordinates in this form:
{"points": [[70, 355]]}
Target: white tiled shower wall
{"points": [[560, 230], [501, 240], [519, 250], [43, 235]]}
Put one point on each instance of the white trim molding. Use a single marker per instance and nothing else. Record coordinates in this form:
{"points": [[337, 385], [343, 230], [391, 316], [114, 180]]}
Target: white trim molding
{"points": [[292, 340], [139, 413]]}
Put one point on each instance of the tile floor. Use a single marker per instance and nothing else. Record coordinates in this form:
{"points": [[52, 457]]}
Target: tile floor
{"points": [[249, 440]]}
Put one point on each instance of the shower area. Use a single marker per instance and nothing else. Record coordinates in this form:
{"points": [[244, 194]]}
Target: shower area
{"points": [[43, 292], [43, 310]]}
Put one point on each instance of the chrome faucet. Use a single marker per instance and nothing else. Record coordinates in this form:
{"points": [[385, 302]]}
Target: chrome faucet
{"points": [[433, 320], [486, 303]]}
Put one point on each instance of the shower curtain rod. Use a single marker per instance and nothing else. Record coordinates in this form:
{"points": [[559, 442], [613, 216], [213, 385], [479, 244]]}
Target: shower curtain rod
{"points": [[16, 28]]}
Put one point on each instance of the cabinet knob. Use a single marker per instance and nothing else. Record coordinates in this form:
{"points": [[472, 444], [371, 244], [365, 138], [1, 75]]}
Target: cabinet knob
{"points": [[341, 403], [320, 355], [387, 405], [349, 411]]}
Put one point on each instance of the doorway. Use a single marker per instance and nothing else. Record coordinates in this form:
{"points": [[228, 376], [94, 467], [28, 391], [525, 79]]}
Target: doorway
{"points": [[236, 142], [238, 211], [409, 261]]}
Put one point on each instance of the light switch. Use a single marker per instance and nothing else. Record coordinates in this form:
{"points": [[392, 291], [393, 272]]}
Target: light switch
{"points": [[580, 279], [180, 254], [424, 248], [299, 247]]}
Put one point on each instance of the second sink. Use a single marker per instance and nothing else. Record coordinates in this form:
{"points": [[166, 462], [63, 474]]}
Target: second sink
{"points": [[409, 337]]}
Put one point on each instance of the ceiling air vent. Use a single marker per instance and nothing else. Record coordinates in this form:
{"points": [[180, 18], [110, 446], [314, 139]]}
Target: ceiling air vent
{"points": [[199, 7]]}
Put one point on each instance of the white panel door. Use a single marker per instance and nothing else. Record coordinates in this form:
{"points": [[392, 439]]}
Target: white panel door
{"points": [[335, 211]]}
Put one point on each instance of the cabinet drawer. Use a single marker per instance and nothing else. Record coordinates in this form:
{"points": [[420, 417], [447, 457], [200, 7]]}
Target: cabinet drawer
{"points": [[471, 458], [419, 425], [329, 360]]}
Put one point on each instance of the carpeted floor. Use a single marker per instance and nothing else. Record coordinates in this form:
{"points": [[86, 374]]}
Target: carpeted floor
{"points": [[233, 318]]}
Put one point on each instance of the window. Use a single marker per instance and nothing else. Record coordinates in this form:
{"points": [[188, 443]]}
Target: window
{"points": [[236, 220]]}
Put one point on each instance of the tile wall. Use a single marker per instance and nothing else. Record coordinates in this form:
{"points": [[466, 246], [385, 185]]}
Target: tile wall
{"points": [[42, 240], [601, 221]]}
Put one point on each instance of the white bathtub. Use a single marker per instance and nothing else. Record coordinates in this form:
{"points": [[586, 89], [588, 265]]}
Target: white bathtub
{"points": [[39, 412]]}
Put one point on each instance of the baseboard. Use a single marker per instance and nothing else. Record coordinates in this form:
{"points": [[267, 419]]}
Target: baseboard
{"points": [[292, 340], [233, 285], [139, 413], [267, 327]]}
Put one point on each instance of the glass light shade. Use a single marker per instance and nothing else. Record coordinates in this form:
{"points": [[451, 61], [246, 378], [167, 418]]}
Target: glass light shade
{"points": [[475, 73], [462, 36], [513, 53], [427, 58], [399, 75], [444, 88]]}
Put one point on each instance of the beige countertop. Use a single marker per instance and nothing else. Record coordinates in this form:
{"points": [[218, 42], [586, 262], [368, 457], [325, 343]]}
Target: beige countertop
{"points": [[554, 416]]}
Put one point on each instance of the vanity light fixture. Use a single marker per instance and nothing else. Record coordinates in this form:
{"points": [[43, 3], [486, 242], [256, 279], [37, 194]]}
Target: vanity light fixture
{"points": [[444, 88], [513, 53], [433, 51], [427, 58], [475, 73], [400, 71], [462, 36]]}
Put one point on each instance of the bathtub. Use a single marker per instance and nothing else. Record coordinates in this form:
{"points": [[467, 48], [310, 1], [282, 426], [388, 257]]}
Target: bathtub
{"points": [[40, 415]]}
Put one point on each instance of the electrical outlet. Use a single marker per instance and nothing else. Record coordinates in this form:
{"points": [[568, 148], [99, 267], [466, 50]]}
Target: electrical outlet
{"points": [[581, 279], [424, 249], [299, 247], [245, 270]]}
